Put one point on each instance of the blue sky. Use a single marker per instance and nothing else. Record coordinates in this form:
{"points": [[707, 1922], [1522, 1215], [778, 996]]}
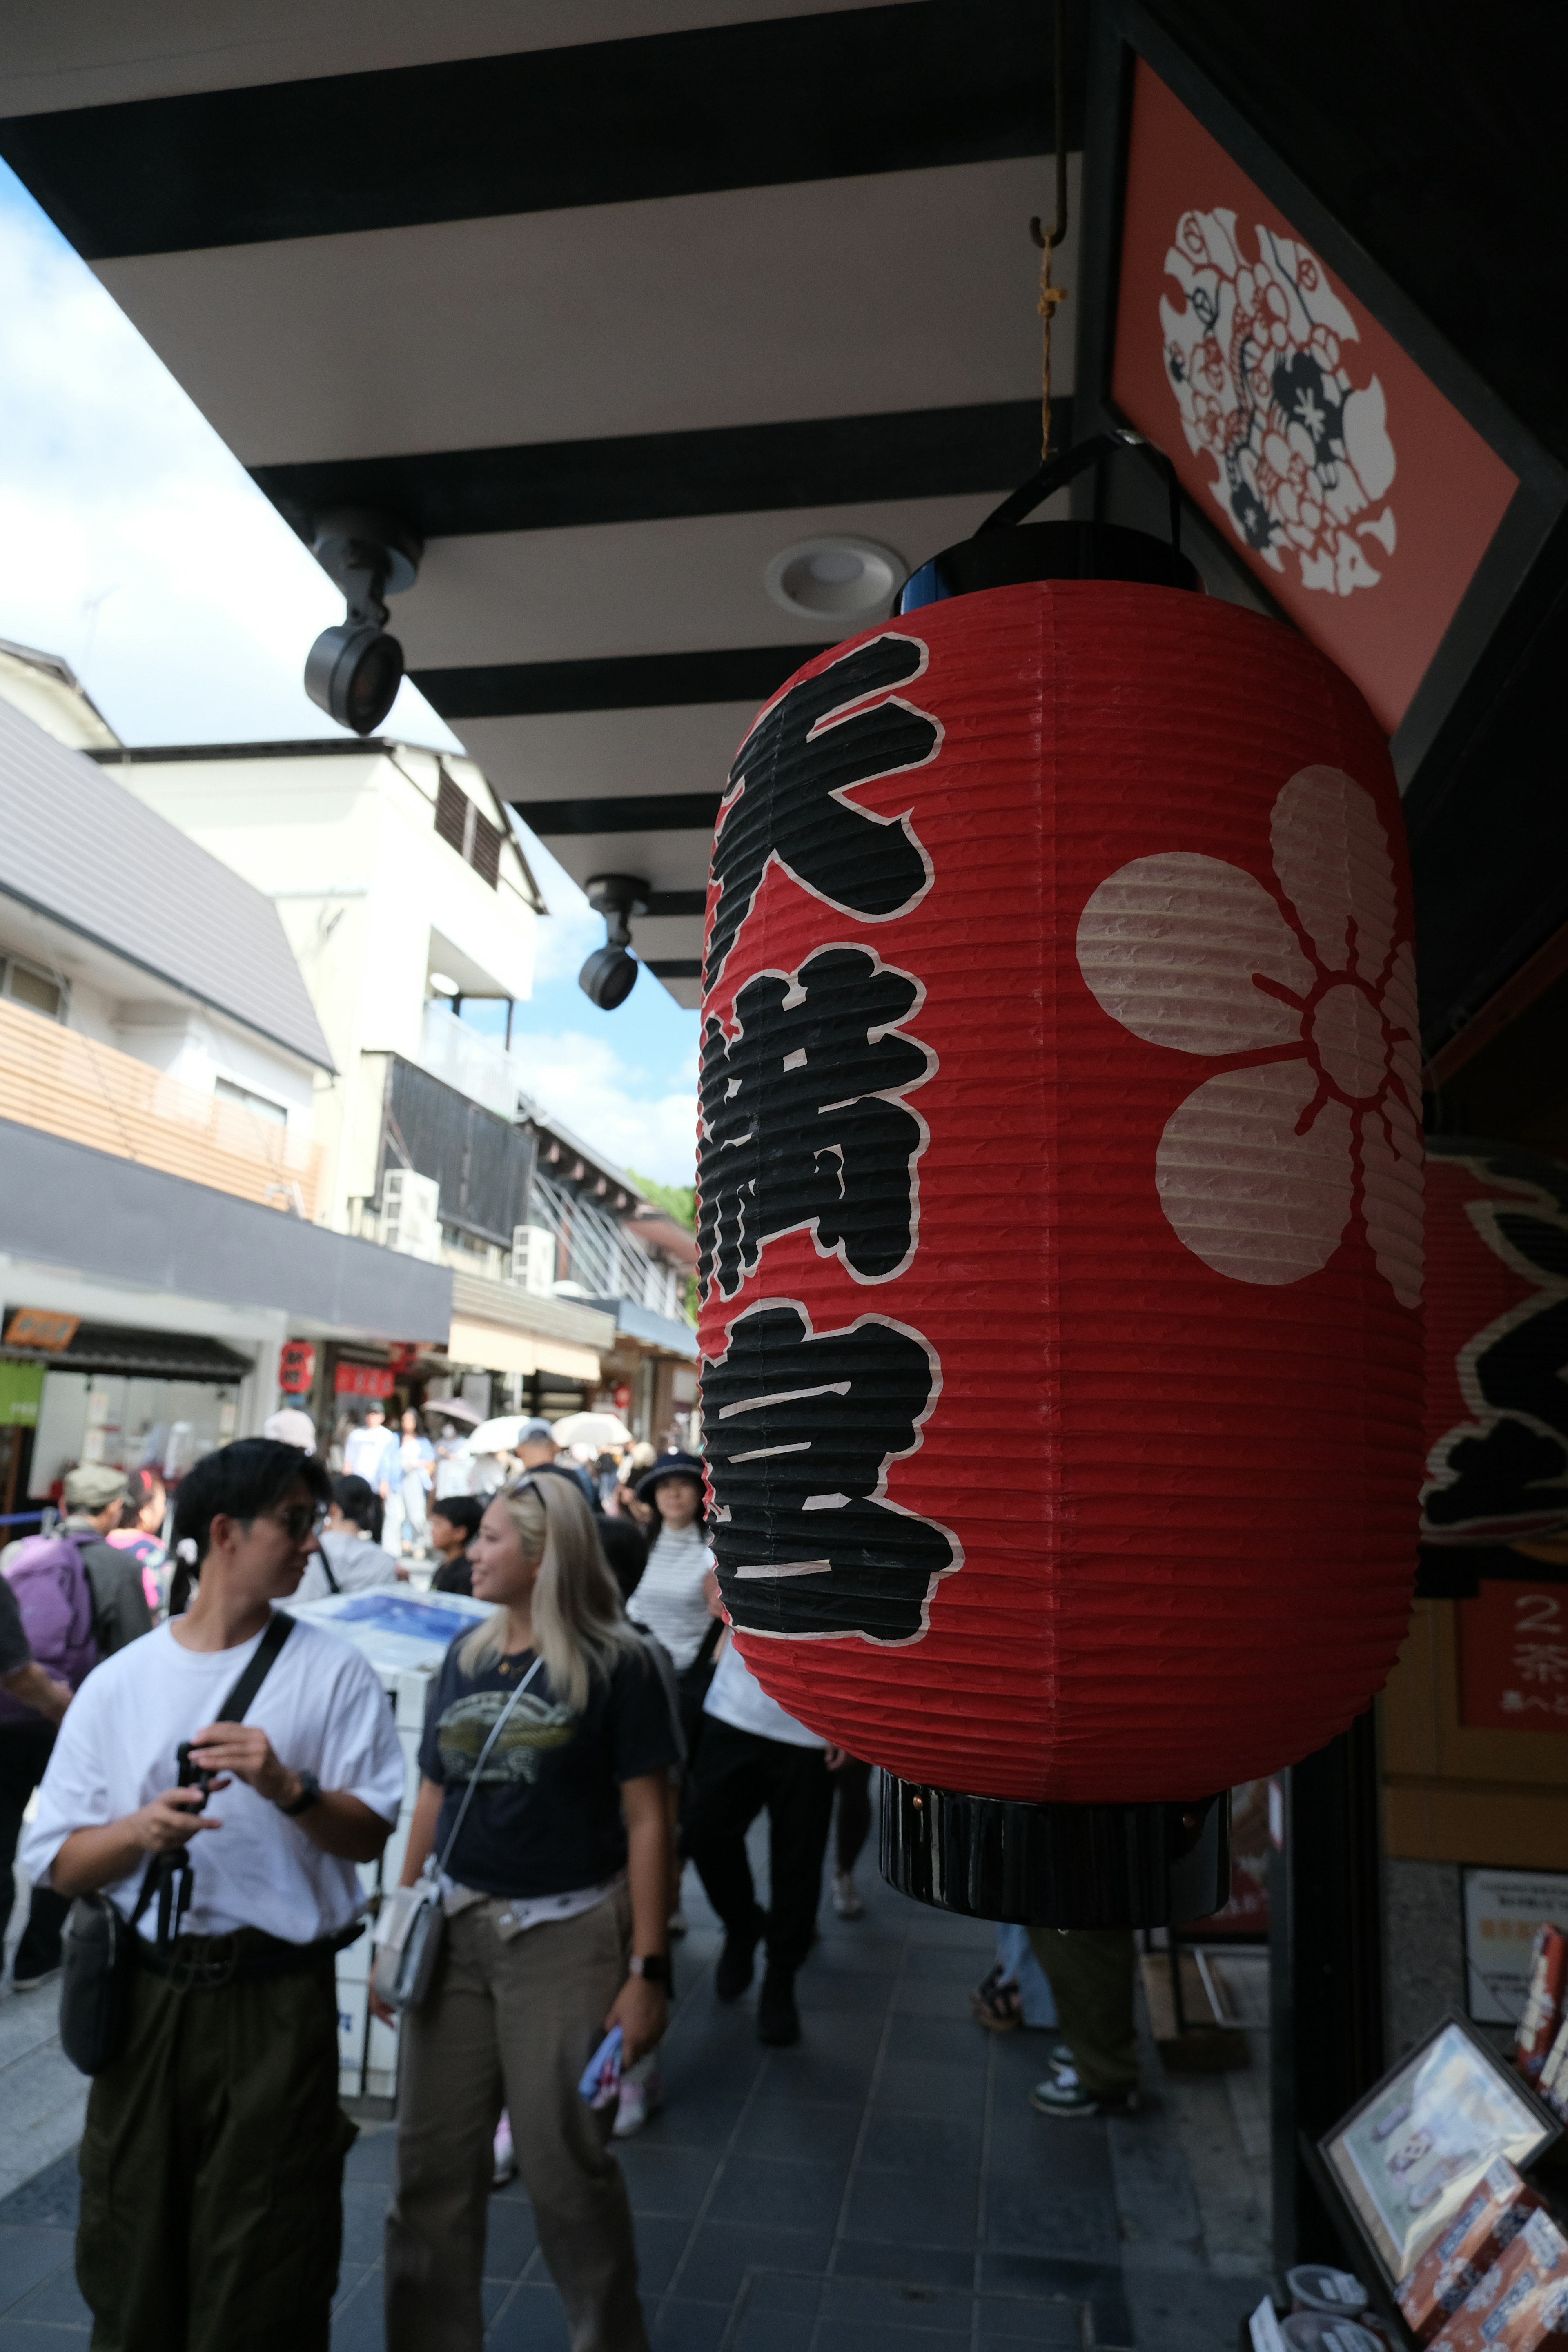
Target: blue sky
{"points": [[133, 543]]}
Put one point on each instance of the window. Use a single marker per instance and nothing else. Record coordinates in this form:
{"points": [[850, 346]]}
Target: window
{"points": [[476, 840], [34, 989], [260, 1106]]}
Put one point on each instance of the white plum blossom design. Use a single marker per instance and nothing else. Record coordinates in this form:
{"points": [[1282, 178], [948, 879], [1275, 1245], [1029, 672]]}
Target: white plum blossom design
{"points": [[1256, 363], [1313, 1003]]}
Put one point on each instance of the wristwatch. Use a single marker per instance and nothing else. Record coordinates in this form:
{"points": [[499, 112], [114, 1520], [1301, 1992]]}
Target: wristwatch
{"points": [[652, 1967], [309, 1794]]}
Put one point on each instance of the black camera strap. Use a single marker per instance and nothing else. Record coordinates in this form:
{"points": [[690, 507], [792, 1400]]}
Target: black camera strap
{"points": [[169, 1875]]}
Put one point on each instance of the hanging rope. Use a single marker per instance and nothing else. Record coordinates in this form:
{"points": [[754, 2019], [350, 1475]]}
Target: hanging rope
{"points": [[1051, 294]]}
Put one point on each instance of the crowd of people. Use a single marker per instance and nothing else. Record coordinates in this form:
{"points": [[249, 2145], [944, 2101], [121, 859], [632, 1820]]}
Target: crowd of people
{"points": [[586, 1738]]}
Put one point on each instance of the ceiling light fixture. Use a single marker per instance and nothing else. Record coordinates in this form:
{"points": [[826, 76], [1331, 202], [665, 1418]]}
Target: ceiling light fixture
{"points": [[353, 672], [443, 984], [836, 579]]}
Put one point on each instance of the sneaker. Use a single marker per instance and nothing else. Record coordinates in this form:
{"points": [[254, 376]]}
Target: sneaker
{"points": [[635, 2102], [847, 1896], [778, 2020], [505, 2164], [738, 1961], [27, 1976], [1063, 2094], [997, 2002]]}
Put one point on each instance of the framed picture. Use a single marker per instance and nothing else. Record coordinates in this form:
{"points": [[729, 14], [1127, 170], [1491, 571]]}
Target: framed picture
{"points": [[1363, 476], [1409, 2156]]}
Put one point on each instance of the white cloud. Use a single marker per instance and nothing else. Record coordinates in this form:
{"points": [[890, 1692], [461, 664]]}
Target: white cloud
{"points": [[131, 540], [583, 1081]]}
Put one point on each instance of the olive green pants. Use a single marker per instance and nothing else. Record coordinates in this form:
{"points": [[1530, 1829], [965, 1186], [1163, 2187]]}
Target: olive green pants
{"points": [[212, 2170], [1090, 1972]]}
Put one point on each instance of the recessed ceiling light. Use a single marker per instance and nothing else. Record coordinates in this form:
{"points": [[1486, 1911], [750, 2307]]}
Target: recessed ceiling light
{"points": [[443, 984], [835, 579]]}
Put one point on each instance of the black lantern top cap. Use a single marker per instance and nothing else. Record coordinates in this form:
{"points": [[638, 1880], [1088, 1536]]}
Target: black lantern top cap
{"points": [[1006, 551]]}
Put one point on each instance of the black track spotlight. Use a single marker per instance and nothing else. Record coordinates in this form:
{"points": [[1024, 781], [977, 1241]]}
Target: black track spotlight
{"points": [[610, 974], [353, 672]]}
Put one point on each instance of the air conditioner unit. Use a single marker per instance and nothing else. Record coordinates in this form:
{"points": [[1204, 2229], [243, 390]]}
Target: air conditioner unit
{"points": [[534, 1259], [411, 1212]]}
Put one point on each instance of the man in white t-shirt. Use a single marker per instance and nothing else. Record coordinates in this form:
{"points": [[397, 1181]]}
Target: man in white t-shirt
{"points": [[753, 1754], [212, 2159]]}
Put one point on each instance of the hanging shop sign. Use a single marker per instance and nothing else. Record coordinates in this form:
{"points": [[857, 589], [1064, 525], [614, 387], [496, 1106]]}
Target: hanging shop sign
{"points": [[37, 1327], [363, 1380], [296, 1367], [1061, 1230], [1497, 1341], [1362, 474]]}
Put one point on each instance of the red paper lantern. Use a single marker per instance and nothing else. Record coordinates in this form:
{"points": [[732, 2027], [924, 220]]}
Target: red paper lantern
{"points": [[1061, 1222], [1497, 1344], [296, 1367]]}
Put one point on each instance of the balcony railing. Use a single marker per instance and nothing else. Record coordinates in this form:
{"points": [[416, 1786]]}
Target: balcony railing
{"points": [[602, 1255], [473, 1065], [57, 1079]]}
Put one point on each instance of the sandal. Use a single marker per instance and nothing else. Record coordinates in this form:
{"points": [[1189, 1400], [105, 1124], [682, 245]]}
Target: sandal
{"points": [[997, 2004]]}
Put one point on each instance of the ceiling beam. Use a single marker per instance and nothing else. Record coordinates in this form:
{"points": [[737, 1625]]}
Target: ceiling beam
{"points": [[817, 461], [612, 682], [908, 88], [658, 812]]}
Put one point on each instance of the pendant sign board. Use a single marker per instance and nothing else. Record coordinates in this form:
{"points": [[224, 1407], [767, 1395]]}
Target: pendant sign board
{"points": [[1365, 478], [1504, 1909]]}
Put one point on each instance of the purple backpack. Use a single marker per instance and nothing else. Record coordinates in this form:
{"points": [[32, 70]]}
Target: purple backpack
{"points": [[54, 1599]]}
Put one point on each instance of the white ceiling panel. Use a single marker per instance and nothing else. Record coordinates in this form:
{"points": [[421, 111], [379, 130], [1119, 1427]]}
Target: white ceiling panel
{"points": [[688, 584], [823, 297], [621, 754]]}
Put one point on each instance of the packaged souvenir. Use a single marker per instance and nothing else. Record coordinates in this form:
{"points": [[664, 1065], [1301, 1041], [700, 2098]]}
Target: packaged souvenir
{"points": [[1523, 2301], [1455, 2265], [1538, 2026]]}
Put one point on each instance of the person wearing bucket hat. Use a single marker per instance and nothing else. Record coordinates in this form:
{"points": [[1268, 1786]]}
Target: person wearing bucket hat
{"points": [[670, 1600]]}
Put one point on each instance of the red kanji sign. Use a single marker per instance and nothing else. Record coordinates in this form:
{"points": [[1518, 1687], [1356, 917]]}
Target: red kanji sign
{"points": [[1513, 1658], [362, 1380], [296, 1367]]}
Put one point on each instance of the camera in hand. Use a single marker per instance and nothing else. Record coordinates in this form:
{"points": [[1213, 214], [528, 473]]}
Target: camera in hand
{"points": [[193, 1776]]}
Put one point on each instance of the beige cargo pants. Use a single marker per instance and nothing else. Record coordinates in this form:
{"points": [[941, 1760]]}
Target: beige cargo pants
{"points": [[511, 2020]]}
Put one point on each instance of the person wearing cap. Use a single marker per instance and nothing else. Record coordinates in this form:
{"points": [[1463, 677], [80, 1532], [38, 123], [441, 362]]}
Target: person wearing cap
{"points": [[536, 1449], [290, 1426], [94, 1500]]}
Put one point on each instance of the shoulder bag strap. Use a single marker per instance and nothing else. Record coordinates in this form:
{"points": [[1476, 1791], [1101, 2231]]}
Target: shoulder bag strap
{"points": [[263, 1658], [483, 1760], [169, 1875]]}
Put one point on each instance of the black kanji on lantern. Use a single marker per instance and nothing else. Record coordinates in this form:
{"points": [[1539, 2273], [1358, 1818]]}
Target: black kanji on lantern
{"points": [[799, 1430], [785, 785], [800, 1125], [1511, 1462]]}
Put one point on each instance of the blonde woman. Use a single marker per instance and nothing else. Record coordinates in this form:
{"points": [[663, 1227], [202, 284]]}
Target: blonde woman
{"points": [[556, 1894]]}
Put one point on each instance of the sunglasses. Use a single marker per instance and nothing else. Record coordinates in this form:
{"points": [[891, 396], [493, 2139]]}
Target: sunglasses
{"points": [[298, 1520]]}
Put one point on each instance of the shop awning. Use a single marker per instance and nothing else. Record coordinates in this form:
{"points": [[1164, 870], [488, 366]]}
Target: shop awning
{"points": [[138, 1355], [499, 1348]]}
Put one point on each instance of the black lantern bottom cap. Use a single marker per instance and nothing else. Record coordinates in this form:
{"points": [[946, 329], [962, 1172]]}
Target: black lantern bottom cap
{"points": [[1148, 1865]]}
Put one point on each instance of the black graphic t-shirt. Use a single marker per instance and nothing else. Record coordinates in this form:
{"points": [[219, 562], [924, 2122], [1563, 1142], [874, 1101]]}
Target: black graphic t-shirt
{"points": [[547, 1816]]}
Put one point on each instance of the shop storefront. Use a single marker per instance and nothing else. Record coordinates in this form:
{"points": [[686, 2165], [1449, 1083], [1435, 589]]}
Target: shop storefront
{"points": [[133, 1399]]}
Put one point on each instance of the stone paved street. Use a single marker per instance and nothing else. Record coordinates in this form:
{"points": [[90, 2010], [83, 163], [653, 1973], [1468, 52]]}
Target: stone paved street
{"points": [[883, 2187]]}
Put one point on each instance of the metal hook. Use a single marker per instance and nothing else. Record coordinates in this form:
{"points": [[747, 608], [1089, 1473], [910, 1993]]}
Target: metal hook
{"points": [[1059, 228]]}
